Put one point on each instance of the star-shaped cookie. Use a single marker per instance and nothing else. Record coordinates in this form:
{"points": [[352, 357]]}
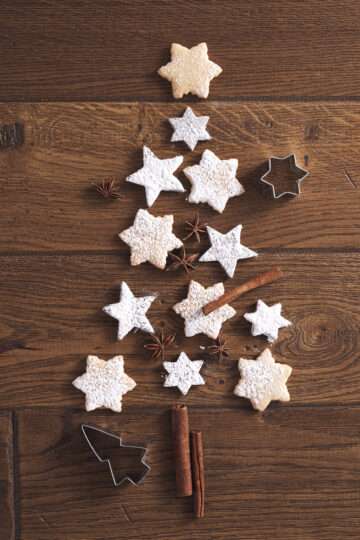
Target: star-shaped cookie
{"points": [[267, 320], [226, 249], [130, 311], [190, 310], [190, 128], [156, 175], [150, 239], [263, 380], [190, 70], [213, 181], [184, 373], [104, 383]]}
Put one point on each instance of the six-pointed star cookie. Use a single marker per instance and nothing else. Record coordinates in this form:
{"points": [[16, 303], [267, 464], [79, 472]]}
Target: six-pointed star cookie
{"points": [[263, 380], [190, 128], [104, 383], [226, 249], [184, 373], [190, 310], [150, 239], [130, 311], [267, 320], [156, 175], [213, 181], [190, 70]]}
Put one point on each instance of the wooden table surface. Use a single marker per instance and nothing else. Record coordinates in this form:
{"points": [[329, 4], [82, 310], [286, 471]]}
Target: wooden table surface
{"points": [[81, 76]]}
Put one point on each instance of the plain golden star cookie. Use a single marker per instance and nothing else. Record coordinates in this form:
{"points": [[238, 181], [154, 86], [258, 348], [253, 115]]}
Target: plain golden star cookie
{"points": [[190, 70]]}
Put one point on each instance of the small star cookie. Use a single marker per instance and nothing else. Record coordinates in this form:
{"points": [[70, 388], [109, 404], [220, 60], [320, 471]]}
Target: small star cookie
{"points": [[190, 70], [156, 175], [267, 320], [150, 239], [263, 380], [184, 373], [190, 128], [104, 383], [226, 249], [213, 181], [190, 309], [130, 311]]}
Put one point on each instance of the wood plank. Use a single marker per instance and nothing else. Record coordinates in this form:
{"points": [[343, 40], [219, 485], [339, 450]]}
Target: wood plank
{"points": [[79, 50], [7, 529], [290, 470], [52, 319], [48, 202]]}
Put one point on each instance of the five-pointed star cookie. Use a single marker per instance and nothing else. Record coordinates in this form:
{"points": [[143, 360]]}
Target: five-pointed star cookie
{"points": [[190, 128], [213, 181], [184, 373], [130, 311], [190, 70], [226, 249], [267, 320], [150, 239], [104, 383], [263, 380], [156, 175], [190, 310]]}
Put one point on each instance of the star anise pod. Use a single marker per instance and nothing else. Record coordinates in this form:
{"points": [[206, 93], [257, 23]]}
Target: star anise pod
{"points": [[108, 189], [183, 261], [158, 344], [219, 349], [195, 227]]}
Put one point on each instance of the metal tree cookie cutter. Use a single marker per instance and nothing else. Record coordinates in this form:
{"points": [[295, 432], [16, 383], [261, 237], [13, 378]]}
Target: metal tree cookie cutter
{"points": [[86, 428], [270, 177]]}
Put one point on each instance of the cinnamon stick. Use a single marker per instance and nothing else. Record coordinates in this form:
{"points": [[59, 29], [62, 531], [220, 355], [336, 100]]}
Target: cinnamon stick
{"points": [[197, 461], [181, 441], [253, 283]]}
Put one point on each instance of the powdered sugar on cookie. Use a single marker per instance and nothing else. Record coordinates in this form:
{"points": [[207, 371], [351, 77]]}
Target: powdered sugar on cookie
{"points": [[213, 181], [263, 380], [104, 383], [190, 309], [150, 239]]}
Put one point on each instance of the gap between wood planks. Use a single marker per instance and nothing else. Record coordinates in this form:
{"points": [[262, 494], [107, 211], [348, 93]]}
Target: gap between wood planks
{"points": [[111, 252], [190, 100]]}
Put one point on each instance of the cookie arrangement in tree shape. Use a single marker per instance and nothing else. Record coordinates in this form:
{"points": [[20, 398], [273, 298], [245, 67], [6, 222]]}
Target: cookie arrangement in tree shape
{"points": [[150, 238]]}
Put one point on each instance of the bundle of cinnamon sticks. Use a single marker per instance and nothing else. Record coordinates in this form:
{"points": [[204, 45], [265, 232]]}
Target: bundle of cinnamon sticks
{"points": [[189, 459]]}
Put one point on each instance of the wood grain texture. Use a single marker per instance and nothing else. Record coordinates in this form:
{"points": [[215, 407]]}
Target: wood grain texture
{"points": [[52, 319], [290, 85], [48, 202], [84, 50], [7, 505], [263, 471]]}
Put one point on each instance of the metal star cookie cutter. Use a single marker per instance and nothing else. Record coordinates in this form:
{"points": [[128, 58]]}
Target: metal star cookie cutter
{"points": [[294, 168], [125, 478]]}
